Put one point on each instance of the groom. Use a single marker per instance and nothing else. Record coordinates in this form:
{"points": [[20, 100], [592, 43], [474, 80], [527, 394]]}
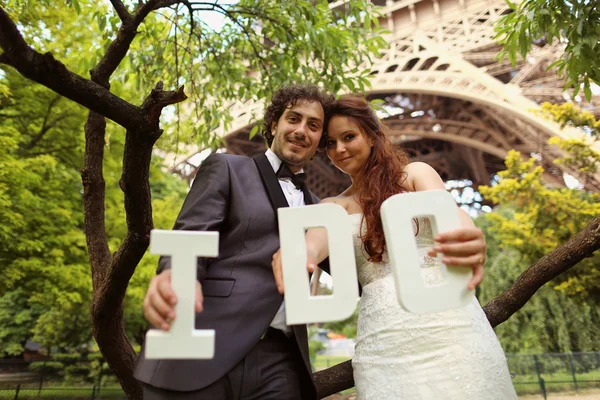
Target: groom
{"points": [[257, 356]]}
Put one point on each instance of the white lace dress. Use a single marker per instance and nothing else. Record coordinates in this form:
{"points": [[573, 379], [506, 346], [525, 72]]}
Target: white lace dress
{"points": [[453, 354]]}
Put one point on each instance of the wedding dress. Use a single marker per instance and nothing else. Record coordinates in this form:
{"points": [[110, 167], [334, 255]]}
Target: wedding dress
{"points": [[453, 354]]}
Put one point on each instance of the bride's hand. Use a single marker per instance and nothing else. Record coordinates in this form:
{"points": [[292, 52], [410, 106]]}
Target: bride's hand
{"points": [[278, 270], [463, 247]]}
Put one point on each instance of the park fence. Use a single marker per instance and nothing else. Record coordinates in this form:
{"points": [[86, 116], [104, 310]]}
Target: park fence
{"points": [[535, 376], [554, 375], [52, 379]]}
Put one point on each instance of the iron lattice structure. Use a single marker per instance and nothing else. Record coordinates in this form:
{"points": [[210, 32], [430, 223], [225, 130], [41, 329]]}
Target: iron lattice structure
{"points": [[449, 102]]}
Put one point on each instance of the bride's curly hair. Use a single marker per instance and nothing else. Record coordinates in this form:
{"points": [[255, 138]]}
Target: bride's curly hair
{"points": [[382, 175]]}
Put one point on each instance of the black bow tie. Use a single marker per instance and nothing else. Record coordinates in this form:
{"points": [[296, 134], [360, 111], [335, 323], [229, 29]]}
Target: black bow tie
{"points": [[297, 179]]}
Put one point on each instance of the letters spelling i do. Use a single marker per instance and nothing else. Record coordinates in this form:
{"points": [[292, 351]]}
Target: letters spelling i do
{"points": [[397, 212]]}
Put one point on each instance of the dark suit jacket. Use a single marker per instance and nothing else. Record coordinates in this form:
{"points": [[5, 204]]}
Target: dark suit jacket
{"points": [[237, 196]]}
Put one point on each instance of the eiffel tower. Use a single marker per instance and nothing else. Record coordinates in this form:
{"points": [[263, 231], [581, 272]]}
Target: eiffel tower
{"points": [[449, 102]]}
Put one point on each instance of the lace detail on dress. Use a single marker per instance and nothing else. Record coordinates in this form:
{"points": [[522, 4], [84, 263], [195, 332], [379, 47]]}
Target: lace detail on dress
{"points": [[399, 355], [430, 266]]}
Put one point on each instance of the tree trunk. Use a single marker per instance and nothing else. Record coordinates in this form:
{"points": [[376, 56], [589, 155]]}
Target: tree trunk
{"points": [[110, 282], [109, 332]]}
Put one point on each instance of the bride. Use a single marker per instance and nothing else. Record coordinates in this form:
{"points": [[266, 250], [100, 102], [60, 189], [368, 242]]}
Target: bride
{"points": [[452, 354]]}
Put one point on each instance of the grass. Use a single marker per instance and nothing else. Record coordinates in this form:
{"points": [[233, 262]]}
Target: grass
{"points": [[62, 393], [323, 362], [524, 384], [556, 382]]}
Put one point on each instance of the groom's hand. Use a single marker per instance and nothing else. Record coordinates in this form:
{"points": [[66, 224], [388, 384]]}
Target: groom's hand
{"points": [[160, 300], [278, 269]]}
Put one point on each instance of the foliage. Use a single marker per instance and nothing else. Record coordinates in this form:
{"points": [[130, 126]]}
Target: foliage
{"points": [[346, 327], [568, 114], [17, 319], [543, 217], [529, 222], [42, 245], [74, 368], [314, 347], [579, 154], [45, 293], [259, 46], [575, 23]]}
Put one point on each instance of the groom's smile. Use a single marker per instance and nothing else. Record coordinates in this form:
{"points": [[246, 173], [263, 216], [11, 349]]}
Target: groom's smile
{"points": [[297, 133]]}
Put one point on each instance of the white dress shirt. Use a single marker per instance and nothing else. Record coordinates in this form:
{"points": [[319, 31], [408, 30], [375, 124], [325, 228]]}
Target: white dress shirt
{"points": [[295, 198]]}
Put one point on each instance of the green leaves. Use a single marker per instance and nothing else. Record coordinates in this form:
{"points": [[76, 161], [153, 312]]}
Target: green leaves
{"points": [[297, 42], [46, 290], [529, 221], [575, 24], [260, 46]]}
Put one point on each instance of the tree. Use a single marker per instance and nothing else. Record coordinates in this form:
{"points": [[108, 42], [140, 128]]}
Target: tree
{"points": [[46, 291], [228, 61], [288, 41], [529, 221], [579, 153], [575, 23]]}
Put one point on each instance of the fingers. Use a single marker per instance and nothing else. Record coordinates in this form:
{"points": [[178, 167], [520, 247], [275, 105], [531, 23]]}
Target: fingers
{"points": [[478, 272], [164, 288], [476, 262], [470, 261], [277, 271], [159, 301], [156, 319], [462, 249], [276, 264], [459, 235], [199, 298]]}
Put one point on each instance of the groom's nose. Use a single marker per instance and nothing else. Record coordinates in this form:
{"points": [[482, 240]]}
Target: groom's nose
{"points": [[300, 133]]}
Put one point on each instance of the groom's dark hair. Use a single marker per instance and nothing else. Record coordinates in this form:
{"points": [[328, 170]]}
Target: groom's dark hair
{"points": [[287, 97]]}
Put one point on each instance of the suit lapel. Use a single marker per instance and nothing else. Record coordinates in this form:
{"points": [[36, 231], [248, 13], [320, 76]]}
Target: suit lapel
{"points": [[270, 182]]}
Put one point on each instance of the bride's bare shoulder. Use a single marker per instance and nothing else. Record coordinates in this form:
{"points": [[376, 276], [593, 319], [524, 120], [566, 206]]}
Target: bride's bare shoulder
{"points": [[339, 200], [421, 176]]}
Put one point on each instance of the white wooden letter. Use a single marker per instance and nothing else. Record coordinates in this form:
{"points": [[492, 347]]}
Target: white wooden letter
{"points": [[183, 341], [397, 213], [301, 307]]}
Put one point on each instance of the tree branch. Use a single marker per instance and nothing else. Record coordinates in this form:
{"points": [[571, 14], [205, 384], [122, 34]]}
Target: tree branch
{"points": [[45, 126], [582, 245], [333, 380], [121, 10], [159, 99], [46, 70], [111, 277], [118, 48], [138, 208]]}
